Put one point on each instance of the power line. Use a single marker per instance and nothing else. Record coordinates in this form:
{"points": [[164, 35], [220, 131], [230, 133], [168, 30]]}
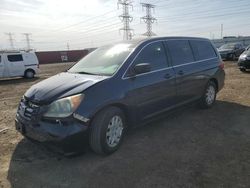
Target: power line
{"points": [[148, 19], [126, 18], [11, 40], [62, 29]]}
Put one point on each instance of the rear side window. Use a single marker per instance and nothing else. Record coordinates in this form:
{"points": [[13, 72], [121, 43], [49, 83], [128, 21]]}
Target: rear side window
{"points": [[202, 49], [13, 58], [154, 54], [180, 51], [0, 59]]}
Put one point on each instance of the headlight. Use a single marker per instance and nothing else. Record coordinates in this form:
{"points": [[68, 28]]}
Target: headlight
{"points": [[243, 57], [64, 107]]}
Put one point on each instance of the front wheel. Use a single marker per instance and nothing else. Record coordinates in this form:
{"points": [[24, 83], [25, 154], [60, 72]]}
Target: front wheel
{"points": [[209, 96], [107, 130]]}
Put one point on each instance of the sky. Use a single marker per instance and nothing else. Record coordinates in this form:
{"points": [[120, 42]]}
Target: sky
{"points": [[79, 24]]}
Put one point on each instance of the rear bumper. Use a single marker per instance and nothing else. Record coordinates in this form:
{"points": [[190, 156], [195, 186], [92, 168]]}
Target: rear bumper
{"points": [[220, 77], [68, 135]]}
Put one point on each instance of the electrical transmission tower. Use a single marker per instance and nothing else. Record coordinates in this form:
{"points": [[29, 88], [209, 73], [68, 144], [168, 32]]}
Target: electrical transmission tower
{"points": [[11, 40], [67, 46], [27, 37], [126, 18], [148, 19]]}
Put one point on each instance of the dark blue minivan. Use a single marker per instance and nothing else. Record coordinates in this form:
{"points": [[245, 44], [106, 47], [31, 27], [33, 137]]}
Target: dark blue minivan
{"points": [[119, 86]]}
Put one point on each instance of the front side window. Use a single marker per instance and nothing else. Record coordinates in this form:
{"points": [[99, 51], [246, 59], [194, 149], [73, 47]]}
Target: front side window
{"points": [[154, 54], [202, 49], [229, 46], [103, 61], [0, 59], [180, 51], [14, 58]]}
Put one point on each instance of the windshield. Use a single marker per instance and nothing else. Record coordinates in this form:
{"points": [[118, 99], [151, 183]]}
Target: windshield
{"points": [[227, 46], [103, 61]]}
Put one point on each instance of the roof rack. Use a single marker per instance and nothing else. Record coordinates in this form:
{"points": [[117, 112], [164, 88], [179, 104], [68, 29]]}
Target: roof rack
{"points": [[15, 50]]}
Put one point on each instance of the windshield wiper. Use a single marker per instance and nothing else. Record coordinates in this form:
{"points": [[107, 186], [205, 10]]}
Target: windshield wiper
{"points": [[82, 72], [88, 73]]}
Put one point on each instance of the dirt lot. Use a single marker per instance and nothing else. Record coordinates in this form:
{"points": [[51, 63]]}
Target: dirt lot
{"points": [[191, 148]]}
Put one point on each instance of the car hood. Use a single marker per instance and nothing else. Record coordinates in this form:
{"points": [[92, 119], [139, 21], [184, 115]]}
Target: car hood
{"points": [[225, 50], [247, 53], [61, 85]]}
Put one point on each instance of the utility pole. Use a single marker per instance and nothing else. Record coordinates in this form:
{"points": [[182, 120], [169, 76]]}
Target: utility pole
{"points": [[27, 37], [221, 31], [11, 40], [148, 19], [126, 18]]}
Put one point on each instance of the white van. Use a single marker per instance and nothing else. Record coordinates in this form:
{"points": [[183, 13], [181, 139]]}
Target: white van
{"points": [[18, 63]]}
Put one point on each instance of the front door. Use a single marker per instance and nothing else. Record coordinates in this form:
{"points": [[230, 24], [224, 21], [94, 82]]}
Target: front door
{"points": [[153, 91], [15, 64]]}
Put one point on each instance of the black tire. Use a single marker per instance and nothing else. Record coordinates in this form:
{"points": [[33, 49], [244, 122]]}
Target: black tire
{"points": [[99, 128], [29, 74], [242, 69], [207, 100]]}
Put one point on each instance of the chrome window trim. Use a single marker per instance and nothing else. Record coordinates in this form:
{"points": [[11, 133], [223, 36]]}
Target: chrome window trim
{"points": [[162, 40], [147, 73], [193, 62]]}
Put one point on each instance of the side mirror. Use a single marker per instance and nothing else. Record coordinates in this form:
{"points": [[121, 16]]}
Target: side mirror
{"points": [[142, 68]]}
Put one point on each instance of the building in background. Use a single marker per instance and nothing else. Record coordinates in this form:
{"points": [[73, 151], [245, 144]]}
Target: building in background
{"points": [[45, 57]]}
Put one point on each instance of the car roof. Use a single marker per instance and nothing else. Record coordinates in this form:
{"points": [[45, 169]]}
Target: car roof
{"points": [[135, 42]]}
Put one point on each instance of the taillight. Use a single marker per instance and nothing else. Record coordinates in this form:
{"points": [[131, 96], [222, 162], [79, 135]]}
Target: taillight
{"points": [[221, 65]]}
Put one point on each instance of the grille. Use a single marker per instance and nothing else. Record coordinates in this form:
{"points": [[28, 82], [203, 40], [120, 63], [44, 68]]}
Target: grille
{"points": [[28, 109]]}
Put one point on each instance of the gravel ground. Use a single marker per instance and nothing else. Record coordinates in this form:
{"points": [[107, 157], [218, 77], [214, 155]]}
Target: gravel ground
{"points": [[190, 148]]}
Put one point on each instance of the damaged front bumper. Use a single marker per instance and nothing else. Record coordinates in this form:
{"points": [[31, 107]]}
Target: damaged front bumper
{"points": [[66, 134]]}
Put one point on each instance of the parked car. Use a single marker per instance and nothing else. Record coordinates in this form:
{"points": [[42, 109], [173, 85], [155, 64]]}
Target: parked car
{"points": [[244, 60], [231, 51], [247, 48], [119, 86], [18, 63]]}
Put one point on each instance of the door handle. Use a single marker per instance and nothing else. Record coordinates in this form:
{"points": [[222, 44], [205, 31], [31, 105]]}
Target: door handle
{"points": [[180, 72]]}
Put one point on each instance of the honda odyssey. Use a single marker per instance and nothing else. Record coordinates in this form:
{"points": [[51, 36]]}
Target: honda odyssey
{"points": [[119, 86]]}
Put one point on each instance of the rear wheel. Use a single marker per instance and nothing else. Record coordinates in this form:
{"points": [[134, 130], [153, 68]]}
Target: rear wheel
{"points": [[107, 130], [29, 74], [209, 96]]}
